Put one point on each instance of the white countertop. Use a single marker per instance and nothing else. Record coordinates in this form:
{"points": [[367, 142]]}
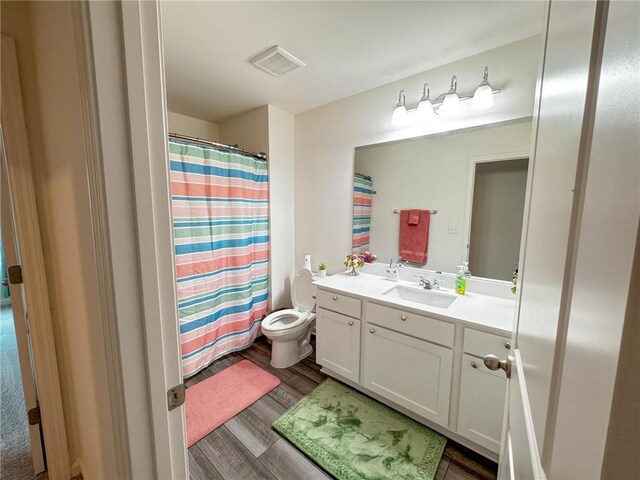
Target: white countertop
{"points": [[494, 314]]}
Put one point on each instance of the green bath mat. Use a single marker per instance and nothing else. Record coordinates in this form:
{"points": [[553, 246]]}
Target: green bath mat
{"points": [[356, 438]]}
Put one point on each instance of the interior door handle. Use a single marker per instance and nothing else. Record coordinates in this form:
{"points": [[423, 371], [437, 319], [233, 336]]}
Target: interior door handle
{"points": [[494, 363]]}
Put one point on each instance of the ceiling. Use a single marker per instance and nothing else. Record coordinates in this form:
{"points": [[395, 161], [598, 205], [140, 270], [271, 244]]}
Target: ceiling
{"points": [[349, 47]]}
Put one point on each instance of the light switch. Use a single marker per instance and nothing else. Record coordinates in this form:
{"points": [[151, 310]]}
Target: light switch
{"points": [[454, 229]]}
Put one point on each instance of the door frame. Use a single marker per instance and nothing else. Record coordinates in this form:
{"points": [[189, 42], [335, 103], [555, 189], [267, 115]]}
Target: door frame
{"points": [[29, 244], [122, 79], [471, 178], [147, 110], [20, 320]]}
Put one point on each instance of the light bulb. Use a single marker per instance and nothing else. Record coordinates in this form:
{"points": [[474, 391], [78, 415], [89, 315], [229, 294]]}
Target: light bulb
{"points": [[425, 110], [425, 107], [451, 103], [483, 97], [399, 116]]}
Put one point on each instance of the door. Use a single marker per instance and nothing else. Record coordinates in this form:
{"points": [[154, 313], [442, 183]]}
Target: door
{"points": [[20, 318], [497, 209], [338, 344], [413, 373], [561, 114]]}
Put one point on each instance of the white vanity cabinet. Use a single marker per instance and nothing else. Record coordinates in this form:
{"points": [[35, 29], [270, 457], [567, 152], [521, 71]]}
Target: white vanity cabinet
{"points": [[338, 334], [482, 391], [426, 366], [411, 372]]}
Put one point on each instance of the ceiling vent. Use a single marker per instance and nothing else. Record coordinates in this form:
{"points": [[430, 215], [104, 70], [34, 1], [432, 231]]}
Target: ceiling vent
{"points": [[277, 61]]}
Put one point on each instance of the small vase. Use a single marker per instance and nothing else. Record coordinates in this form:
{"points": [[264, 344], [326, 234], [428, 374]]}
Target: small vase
{"points": [[353, 271], [322, 273]]}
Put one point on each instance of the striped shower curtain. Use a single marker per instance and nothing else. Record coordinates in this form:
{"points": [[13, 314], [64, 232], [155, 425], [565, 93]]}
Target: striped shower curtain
{"points": [[220, 204], [362, 195]]}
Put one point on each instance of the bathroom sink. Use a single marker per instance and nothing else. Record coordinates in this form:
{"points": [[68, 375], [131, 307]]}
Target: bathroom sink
{"points": [[420, 295]]}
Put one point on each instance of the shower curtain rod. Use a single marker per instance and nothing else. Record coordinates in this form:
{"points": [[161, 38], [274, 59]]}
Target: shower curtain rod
{"points": [[366, 177], [221, 146]]}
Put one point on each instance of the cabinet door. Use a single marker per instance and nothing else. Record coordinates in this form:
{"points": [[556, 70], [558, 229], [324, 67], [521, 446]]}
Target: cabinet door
{"points": [[410, 372], [481, 408], [338, 343]]}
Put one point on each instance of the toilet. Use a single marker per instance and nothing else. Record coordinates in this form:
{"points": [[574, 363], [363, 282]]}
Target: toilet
{"points": [[290, 330]]}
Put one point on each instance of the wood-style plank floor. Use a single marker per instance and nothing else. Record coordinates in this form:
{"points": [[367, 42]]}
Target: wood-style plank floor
{"points": [[247, 448]]}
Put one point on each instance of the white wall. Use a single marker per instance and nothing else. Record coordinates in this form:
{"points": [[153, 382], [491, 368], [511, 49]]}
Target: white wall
{"points": [[249, 130], [281, 204], [325, 138], [431, 173], [269, 129], [193, 127]]}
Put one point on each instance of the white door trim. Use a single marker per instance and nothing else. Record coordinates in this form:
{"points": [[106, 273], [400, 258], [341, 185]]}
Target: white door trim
{"points": [[101, 235], [148, 125], [21, 190], [20, 320]]}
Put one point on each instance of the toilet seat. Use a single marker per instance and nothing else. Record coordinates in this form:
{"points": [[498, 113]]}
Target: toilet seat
{"points": [[303, 298], [285, 320]]}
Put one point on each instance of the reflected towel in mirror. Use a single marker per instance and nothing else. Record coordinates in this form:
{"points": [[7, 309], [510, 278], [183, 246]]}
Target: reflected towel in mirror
{"points": [[414, 217], [414, 239]]}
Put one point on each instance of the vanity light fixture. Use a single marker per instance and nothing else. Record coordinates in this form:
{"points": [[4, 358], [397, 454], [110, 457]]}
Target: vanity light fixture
{"points": [[399, 116], [483, 98], [445, 104], [425, 107]]}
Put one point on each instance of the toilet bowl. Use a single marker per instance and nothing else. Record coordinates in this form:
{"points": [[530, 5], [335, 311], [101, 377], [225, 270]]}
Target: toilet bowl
{"points": [[290, 330]]}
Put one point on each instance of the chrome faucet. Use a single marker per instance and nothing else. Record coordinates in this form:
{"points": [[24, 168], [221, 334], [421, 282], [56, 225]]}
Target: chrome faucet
{"points": [[428, 285], [391, 272]]}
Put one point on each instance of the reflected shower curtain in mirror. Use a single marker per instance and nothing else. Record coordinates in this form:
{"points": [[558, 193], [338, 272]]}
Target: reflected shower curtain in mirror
{"points": [[220, 205], [362, 197]]}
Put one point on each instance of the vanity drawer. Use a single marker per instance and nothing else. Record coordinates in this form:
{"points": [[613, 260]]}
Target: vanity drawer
{"points": [[339, 303], [482, 343], [419, 326]]}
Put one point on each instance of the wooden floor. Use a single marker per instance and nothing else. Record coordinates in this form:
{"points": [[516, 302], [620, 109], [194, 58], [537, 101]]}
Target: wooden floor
{"points": [[247, 448]]}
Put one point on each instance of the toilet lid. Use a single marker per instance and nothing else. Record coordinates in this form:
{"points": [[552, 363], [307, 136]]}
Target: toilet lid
{"points": [[302, 291]]}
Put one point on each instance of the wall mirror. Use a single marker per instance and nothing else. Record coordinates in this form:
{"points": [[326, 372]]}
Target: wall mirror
{"points": [[462, 190]]}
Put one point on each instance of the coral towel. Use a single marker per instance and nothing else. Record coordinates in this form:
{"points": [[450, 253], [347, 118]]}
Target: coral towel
{"points": [[414, 238], [414, 217]]}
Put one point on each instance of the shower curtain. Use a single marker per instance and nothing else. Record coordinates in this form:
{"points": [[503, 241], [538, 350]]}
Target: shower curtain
{"points": [[220, 205], [362, 196]]}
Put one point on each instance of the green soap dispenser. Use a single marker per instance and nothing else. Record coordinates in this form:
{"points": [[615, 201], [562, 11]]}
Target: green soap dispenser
{"points": [[461, 280]]}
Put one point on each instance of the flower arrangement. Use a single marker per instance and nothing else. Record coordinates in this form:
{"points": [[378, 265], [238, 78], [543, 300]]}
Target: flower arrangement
{"points": [[368, 257], [354, 261]]}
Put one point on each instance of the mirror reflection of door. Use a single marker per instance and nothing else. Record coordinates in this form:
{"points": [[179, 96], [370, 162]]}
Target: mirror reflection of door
{"points": [[496, 218]]}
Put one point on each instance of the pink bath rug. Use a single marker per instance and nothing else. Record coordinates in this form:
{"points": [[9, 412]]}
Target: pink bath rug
{"points": [[215, 400]]}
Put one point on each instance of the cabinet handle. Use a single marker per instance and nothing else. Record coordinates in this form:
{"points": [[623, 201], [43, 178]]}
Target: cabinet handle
{"points": [[403, 318], [373, 330], [351, 324], [507, 345], [334, 298], [474, 365]]}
